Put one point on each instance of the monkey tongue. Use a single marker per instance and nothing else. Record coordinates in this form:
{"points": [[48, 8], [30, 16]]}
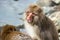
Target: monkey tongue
{"points": [[29, 18]]}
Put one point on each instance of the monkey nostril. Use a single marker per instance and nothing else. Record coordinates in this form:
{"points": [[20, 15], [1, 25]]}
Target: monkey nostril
{"points": [[33, 13]]}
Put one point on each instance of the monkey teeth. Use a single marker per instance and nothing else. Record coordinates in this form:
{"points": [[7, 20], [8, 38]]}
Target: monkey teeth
{"points": [[29, 20]]}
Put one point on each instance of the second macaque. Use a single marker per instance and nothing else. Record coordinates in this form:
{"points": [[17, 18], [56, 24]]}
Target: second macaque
{"points": [[9, 32], [38, 26]]}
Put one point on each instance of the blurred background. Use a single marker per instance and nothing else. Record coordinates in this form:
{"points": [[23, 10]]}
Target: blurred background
{"points": [[11, 12]]}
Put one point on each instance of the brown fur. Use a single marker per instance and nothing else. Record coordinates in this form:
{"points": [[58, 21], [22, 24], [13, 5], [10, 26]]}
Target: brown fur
{"points": [[44, 28], [9, 33]]}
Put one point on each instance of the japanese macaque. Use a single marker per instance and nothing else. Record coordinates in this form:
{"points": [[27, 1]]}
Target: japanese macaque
{"points": [[38, 26], [9, 33]]}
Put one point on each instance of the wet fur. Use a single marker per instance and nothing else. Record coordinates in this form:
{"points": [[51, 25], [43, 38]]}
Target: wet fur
{"points": [[43, 28]]}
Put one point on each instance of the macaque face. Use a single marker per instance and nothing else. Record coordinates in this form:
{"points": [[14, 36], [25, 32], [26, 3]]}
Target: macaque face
{"points": [[32, 13]]}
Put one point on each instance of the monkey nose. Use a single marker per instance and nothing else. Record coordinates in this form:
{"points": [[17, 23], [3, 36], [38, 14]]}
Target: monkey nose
{"points": [[29, 18], [30, 15]]}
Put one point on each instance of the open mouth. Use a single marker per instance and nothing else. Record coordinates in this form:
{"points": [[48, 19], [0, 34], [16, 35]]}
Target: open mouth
{"points": [[30, 17]]}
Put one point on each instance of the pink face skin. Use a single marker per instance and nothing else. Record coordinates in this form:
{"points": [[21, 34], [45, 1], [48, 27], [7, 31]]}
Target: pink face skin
{"points": [[29, 17]]}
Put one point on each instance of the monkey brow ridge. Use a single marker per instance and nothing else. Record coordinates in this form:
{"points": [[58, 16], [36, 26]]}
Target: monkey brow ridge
{"points": [[33, 6]]}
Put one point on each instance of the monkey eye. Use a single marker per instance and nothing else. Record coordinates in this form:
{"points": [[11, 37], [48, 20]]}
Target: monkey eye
{"points": [[28, 12], [34, 14]]}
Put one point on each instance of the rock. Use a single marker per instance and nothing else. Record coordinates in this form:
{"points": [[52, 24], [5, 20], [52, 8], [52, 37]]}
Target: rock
{"points": [[44, 2], [55, 17], [48, 2], [56, 1]]}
